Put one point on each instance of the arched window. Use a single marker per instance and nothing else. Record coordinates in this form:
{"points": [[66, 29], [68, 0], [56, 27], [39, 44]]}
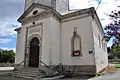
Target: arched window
{"points": [[76, 44]]}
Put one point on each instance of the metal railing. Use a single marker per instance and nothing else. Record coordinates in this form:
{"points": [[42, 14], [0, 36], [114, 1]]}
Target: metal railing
{"points": [[18, 66], [44, 64]]}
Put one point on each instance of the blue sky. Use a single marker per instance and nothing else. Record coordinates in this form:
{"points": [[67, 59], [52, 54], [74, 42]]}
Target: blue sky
{"points": [[12, 9], [10, 12]]}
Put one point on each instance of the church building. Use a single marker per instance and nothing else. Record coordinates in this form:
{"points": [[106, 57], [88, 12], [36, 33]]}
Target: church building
{"points": [[54, 35]]}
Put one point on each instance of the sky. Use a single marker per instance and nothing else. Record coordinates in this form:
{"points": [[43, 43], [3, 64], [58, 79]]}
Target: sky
{"points": [[11, 10]]}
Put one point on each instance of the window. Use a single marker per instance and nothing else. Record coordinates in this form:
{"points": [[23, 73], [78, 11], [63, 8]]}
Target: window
{"points": [[76, 45], [35, 12], [105, 46], [102, 44], [99, 41]]}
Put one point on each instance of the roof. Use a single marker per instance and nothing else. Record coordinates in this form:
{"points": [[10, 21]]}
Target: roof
{"points": [[78, 12], [18, 29], [31, 7], [65, 15]]}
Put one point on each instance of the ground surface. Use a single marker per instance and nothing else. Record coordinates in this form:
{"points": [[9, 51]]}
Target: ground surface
{"points": [[11, 78], [113, 76]]}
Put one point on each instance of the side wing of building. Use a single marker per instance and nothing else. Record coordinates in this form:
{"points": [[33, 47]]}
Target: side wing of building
{"points": [[83, 23], [100, 45]]}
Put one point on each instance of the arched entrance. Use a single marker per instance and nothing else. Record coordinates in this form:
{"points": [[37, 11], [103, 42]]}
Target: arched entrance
{"points": [[34, 53]]}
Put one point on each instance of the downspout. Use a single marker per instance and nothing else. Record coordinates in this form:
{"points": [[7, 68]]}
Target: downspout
{"points": [[60, 42], [50, 42], [93, 40]]}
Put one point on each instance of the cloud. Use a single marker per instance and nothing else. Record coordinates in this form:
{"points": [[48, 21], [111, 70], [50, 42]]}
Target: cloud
{"points": [[105, 7], [7, 28], [5, 48], [109, 44], [10, 11], [79, 4], [4, 41]]}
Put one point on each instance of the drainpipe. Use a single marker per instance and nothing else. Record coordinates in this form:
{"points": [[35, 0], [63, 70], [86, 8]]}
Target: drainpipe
{"points": [[60, 39]]}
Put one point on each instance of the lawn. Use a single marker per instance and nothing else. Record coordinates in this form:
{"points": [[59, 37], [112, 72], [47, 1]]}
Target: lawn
{"points": [[117, 65]]}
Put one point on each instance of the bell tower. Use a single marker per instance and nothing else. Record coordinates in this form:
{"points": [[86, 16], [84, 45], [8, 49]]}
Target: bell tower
{"points": [[59, 5]]}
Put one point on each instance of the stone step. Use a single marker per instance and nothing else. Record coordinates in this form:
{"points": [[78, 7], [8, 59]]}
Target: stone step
{"points": [[28, 73], [54, 78], [26, 77], [29, 68], [31, 75]]}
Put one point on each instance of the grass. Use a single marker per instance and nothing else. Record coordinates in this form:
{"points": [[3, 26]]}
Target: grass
{"points": [[117, 65]]}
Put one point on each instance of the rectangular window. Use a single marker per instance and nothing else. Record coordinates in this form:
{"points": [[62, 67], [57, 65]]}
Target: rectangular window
{"points": [[102, 44], [105, 46], [99, 41]]}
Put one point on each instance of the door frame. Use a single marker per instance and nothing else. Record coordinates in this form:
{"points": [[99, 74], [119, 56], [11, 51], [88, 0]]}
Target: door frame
{"points": [[28, 49], [31, 53]]}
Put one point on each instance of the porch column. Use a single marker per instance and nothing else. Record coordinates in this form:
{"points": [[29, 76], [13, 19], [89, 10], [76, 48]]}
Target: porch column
{"points": [[40, 55], [27, 56]]}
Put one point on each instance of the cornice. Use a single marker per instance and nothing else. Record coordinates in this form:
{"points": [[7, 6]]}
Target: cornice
{"points": [[18, 29], [88, 11], [40, 16], [37, 17]]}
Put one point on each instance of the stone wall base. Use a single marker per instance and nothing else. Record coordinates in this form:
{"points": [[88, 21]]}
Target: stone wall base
{"points": [[73, 70], [80, 68]]}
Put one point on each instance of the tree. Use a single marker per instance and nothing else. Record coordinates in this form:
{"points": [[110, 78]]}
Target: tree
{"points": [[115, 51], [113, 29], [7, 56]]}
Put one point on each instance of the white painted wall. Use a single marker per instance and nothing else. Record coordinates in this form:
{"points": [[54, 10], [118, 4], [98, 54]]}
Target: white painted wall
{"points": [[55, 51], [20, 46], [50, 48], [55, 41], [50, 40], [85, 31], [45, 40], [101, 58]]}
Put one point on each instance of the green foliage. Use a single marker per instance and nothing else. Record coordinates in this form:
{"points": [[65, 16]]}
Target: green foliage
{"points": [[116, 49], [117, 65], [7, 56]]}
